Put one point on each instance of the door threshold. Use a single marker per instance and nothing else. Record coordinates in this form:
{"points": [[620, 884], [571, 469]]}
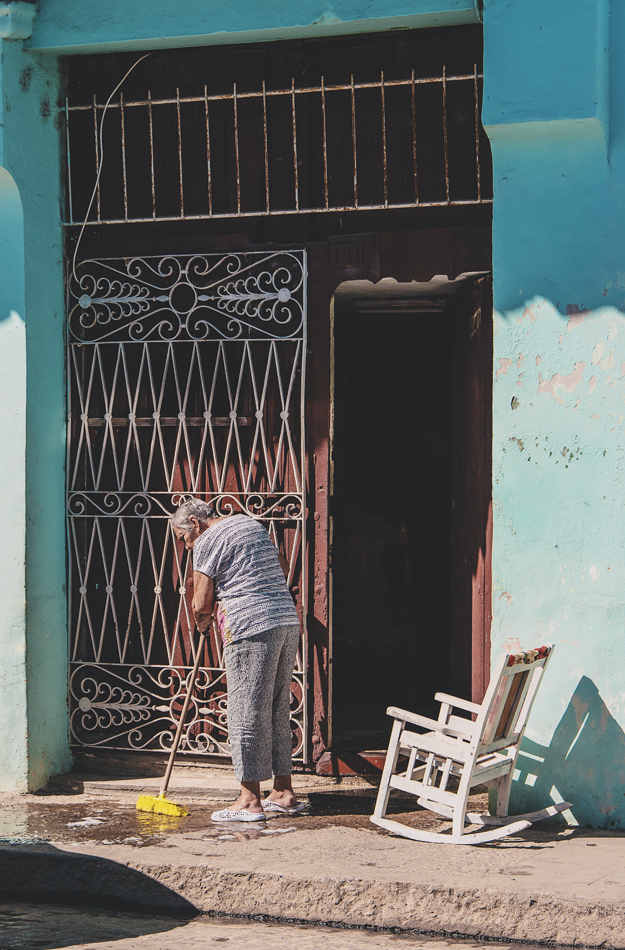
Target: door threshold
{"points": [[353, 763]]}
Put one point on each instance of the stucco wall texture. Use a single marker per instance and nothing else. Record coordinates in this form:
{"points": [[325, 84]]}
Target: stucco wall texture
{"points": [[33, 614], [555, 118], [76, 26], [554, 108]]}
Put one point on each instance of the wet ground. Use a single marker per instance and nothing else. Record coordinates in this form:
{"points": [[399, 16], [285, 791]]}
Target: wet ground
{"points": [[329, 864], [50, 927], [118, 822]]}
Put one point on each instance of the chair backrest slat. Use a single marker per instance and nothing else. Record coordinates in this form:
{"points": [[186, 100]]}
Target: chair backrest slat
{"points": [[513, 704], [510, 696]]}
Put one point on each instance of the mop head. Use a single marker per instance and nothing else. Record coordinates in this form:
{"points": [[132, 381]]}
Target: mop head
{"points": [[161, 805]]}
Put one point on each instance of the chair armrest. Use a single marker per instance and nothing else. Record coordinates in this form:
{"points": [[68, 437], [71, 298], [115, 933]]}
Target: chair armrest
{"points": [[433, 724], [458, 703]]}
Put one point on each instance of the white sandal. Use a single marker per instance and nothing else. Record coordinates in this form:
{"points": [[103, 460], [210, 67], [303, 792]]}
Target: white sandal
{"points": [[241, 814], [279, 809]]}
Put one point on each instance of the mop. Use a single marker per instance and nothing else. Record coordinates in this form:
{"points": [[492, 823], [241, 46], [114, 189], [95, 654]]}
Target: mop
{"points": [[160, 804]]}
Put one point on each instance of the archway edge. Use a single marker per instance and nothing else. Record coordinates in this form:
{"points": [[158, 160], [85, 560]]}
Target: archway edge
{"points": [[13, 695]]}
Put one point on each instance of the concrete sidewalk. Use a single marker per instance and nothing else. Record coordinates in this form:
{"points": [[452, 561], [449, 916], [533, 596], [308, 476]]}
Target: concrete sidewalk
{"points": [[565, 886]]}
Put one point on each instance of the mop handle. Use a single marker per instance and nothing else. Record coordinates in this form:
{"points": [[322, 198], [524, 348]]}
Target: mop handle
{"points": [[187, 700]]}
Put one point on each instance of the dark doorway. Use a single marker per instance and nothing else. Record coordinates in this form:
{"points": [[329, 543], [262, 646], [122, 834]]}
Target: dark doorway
{"points": [[395, 477]]}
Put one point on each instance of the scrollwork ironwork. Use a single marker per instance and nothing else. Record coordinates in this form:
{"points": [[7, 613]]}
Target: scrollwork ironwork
{"points": [[138, 708], [262, 506], [190, 297]]}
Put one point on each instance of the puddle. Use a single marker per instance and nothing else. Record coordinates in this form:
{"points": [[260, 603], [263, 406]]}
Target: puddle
{"points": [[120, 823], [84, 822]]}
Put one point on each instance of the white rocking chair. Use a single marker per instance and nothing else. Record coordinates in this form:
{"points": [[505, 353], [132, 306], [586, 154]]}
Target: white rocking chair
{"points": [[480, 752]]}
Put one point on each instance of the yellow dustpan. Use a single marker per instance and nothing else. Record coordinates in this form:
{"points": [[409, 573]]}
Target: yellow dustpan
{"points": [[160, 804]]}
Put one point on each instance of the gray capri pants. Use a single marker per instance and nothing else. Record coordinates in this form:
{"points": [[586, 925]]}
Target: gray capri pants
{"points": [[258, 671]]}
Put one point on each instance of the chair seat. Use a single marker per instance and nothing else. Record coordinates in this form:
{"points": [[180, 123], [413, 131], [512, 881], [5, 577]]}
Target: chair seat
{"points": [[485, 764]]}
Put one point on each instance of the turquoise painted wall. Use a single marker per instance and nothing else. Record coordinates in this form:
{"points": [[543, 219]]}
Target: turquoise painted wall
{"points": [[32, 369], [554, 113], [75, 26]]}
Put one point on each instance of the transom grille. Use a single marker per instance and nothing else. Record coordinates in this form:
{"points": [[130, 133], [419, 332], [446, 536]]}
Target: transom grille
{"points": [[186, 378], [389, 143]]}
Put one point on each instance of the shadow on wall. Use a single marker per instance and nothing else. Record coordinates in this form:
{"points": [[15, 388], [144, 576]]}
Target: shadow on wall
{"points": [[584, 763]]}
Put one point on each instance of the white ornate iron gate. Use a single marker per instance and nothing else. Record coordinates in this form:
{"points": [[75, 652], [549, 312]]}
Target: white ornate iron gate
{"points": [[186, 378]]}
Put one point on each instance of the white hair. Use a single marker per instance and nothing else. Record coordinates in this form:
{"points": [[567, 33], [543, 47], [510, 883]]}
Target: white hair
{"points": [[194, 508]]}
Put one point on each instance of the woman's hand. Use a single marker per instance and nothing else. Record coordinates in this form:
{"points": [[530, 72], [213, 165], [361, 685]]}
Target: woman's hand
{"points": [[203, 602]]}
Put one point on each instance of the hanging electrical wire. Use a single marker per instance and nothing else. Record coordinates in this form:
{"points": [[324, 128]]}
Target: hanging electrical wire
{"points": [[101, 161]]}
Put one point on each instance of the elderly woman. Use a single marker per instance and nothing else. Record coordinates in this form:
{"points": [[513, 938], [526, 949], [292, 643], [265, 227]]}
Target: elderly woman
{"points": [[239, 577]]}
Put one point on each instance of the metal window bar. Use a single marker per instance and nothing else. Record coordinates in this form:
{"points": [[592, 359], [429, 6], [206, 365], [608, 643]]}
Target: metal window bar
{"points": [[123, 131], [324, 204], [236, 146], [445, 144], [414, 136], [325, 146], [69, 157], [97, 154], [182, 214], [384, 158], [208, 156], [152, 181], [295, 172], [354, 152], [477, 133], [266, 148]]}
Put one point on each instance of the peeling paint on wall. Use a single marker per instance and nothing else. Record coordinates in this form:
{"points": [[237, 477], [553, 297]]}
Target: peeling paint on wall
{"points": [[559, 540], [561, 384], [575, 316]]}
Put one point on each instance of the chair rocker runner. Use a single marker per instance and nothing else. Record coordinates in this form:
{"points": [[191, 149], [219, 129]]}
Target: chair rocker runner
{"points": [[480, 752]]}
